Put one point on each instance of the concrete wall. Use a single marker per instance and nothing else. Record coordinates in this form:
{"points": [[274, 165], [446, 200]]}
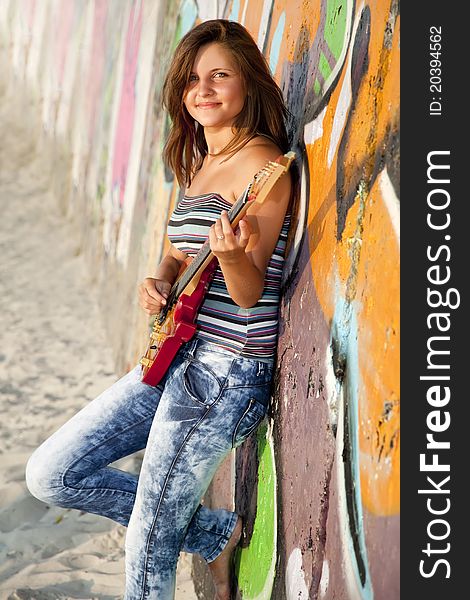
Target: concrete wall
{"points": [[319, 483]]}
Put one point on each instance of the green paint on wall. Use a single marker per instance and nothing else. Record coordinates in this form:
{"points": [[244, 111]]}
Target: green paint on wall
{"points": [[335, 26], [317, 87], [324, 67], [255, 565], [187, 16]]}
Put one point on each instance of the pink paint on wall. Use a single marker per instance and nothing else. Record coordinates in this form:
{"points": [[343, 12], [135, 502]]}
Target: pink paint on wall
{"points": [[125, 124], [29, 10], [64, 20], [97, 62]]}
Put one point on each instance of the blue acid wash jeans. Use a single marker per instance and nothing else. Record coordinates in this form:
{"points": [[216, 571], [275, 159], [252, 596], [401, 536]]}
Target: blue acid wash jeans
{"points": [[209, 401]]}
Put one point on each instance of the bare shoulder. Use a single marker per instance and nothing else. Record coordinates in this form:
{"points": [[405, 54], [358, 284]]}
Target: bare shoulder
{"points": [[265, 218], [253, 157], [258, 151]]}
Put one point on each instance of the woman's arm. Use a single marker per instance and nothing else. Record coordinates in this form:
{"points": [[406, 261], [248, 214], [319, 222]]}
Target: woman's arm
{"points": [[244, 280], [244, 258], [153, 291]]}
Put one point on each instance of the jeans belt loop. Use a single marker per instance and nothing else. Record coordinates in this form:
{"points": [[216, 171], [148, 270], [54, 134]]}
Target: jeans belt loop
{"points": [[194, 345]]}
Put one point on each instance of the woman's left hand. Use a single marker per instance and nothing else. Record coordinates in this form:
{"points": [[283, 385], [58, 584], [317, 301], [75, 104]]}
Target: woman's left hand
{"points": [[226, 244]]}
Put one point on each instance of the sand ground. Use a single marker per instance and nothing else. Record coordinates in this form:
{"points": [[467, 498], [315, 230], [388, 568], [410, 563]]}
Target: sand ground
{"points": [[53, 360]]}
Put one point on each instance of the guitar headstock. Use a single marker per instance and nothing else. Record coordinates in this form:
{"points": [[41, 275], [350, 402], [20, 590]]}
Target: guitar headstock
{"points": [[266, 177]]}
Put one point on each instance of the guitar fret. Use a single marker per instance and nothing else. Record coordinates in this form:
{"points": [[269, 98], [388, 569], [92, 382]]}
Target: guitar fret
{"points": [[192, 268]]}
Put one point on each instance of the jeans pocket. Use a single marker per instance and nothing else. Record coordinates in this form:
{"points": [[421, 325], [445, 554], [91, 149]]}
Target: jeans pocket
{"points": [[249, 421], [201, 384]]}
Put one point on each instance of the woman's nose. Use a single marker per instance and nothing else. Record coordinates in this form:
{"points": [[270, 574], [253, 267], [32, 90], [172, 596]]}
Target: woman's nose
{"points": [[204, 88]]}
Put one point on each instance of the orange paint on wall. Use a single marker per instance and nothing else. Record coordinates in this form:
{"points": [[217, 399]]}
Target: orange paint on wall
{"points": [[366, 259], [378, 301], [322, 212]]}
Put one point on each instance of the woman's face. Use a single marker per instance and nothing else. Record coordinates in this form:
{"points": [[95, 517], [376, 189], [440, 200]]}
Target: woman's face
{"points": [[215, 94]]}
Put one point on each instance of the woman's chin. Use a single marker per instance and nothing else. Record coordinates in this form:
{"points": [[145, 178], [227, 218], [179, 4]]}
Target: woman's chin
{"points": [[214, 124]]}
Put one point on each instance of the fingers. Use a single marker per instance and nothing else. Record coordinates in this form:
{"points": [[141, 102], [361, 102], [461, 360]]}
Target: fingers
{"points": [[219, 229], [152, 295], [150, 286], [245, 233], [226, 244], [226, 227], [222, 228]]}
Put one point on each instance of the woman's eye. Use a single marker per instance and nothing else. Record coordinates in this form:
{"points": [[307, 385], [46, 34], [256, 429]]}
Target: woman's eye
{"points": [[220, 75]]}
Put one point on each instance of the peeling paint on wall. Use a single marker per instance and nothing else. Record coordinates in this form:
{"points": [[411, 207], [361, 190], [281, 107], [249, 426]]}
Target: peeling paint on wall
{"points": [[296, 588]]}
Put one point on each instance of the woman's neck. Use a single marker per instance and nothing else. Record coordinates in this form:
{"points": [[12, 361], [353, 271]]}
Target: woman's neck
{"points": [[217, 139]]}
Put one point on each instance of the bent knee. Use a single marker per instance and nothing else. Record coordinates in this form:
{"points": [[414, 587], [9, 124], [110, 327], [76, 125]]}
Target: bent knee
{"points": [[43, 479]]}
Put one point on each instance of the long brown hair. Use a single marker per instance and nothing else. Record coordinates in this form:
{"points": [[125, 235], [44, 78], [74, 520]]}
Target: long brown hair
{"points": [[264, 111]]}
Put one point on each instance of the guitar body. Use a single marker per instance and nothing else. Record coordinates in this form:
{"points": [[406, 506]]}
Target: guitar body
{"points": [[178, 327]]}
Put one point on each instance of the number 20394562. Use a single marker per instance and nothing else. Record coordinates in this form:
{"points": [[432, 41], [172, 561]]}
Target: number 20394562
{"points": [[435, 70]]}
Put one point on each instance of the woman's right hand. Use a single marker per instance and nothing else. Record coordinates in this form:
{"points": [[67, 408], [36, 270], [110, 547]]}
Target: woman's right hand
{"points": [[152, 294]]}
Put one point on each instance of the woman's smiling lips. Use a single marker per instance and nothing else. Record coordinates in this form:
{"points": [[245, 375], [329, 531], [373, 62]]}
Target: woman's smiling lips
{"points": [[205, 105]]}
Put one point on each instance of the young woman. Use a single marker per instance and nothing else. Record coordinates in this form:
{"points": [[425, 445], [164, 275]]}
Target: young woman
{"points": [[227, 121]]}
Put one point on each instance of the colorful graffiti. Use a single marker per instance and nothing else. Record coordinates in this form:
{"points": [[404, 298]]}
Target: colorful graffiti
{"points": [[125, 124], [336, 85], [100, 78], [255, 566]]}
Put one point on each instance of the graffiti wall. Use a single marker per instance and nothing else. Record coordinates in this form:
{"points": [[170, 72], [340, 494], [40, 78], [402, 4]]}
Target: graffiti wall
{"points": [[318, 485]]}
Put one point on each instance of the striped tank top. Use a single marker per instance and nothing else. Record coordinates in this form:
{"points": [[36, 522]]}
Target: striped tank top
{"points": [[250, 332]]}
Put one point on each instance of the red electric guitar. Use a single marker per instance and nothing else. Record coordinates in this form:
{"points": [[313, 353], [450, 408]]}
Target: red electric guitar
{"points": [[175, 324]]}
